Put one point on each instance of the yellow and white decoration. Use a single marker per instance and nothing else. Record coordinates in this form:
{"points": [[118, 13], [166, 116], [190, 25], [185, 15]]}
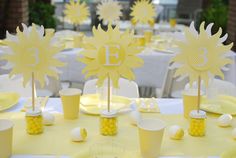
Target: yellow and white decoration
{"points": [[110, 54], [76, 12], [143, 11], [201, 54], [31, 52], [109, 11]]}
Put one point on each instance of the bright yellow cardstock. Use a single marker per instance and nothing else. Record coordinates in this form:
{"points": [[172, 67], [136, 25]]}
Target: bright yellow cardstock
{"points": [[109, 11], [201, 54], [76, 12], [143, 11], [110, 53], [32, 51]]}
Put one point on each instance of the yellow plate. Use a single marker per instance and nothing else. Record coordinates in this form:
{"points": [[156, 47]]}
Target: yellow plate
{"points": [[222, 105], [231, 152], [7, 100], [1, 43], [89, 103]]}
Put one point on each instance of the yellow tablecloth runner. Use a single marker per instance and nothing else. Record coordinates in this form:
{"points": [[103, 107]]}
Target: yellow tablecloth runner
{"points": [[56, 139]]}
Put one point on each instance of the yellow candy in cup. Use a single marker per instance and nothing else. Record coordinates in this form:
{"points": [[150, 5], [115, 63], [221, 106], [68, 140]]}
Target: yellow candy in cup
{"points": [[34, 121], [108, 123], [197, 125]]}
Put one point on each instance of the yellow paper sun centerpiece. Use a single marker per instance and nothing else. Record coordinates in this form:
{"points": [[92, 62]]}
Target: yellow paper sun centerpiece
{"points": [[110, 54], [143, 11], [109, 11], [202, 54], [76, 12], [32, 52]]}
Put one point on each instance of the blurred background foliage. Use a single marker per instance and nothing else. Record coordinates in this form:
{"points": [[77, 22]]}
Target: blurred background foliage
{"points": [[42, 14], [216, 12]]}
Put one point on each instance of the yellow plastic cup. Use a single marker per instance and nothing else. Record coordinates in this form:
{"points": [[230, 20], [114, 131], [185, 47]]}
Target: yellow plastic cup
{"points": [[70, 100], [133, 22], [6, 131], [140, 40], [150, 137], [78, 40], [190, 101], [50, 31], [172, 22], [148, 36], [151, 23]]}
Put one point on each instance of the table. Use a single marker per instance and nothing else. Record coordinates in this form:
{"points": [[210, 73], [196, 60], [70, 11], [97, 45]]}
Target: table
{"points": [[150, 77], [158, 27], [152, 74], [167, 106]]}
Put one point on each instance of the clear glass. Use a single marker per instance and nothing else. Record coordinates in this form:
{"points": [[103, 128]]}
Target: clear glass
{"points": [[197, 127], [34, 124], [108, 125]]}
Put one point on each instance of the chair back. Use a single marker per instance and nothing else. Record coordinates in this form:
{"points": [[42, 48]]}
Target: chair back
{"points": [[126, 88], [14, 85]]}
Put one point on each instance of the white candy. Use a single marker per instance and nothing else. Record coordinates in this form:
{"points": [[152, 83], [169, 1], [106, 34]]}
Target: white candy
{"points": [[78, 134], [176, 132], [234, 133], [135, 117], [48, 118], [225, 120]]}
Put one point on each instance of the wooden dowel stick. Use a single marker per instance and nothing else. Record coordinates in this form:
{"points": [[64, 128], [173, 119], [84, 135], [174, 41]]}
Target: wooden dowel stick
{"points": [[108, 94], [33, 92], [199, 94]]}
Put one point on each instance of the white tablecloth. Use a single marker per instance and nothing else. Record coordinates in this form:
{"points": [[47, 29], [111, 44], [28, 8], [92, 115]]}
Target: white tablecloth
{"points": [[167, 106], [151, 74], [159, 27]]}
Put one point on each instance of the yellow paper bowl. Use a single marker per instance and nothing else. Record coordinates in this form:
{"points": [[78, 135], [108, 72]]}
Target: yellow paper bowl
{"points": [[8, 100], [90, 102]]}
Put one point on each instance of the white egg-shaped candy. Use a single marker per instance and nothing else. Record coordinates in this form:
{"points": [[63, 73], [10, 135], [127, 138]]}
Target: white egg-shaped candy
{"points": [[135, 117], [48, 118], [225, 120], [176, 132], [78, 134], [234, 133]]}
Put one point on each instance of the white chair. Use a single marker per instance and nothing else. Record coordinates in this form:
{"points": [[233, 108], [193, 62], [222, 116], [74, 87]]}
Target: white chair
{"points": [[127, 88], [14, 85], [170, 87], [216, 87], [164, 91]]}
